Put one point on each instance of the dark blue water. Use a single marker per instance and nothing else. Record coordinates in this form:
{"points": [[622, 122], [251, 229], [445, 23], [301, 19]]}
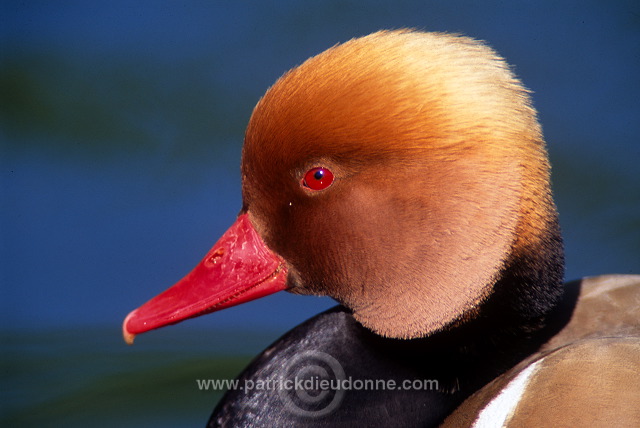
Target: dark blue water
{"points": [[86, 377]]}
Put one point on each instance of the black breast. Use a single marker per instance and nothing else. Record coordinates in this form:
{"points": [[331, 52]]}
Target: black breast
{"points": [[332, 372]]}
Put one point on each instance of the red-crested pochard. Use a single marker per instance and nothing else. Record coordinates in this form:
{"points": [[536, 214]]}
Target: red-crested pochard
{"points": [[405, 175]]}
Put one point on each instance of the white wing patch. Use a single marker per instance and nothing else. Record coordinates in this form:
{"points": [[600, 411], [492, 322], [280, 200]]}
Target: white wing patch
{"points": [[501, 408]]}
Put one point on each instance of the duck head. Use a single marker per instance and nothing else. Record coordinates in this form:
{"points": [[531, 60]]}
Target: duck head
{"points": [[404, 174]]}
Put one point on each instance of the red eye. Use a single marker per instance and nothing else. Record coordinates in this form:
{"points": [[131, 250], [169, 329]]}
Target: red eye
{"points": [[317, 178]]}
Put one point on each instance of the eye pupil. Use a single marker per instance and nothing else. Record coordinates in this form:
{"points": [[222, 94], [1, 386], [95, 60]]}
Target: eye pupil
{"points": [[318, 178]]}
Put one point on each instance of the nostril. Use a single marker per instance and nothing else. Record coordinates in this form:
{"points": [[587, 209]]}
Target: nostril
{"points": [[217, 254]]}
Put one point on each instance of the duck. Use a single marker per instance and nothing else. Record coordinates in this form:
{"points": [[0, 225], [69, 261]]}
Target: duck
{"points": [[405, 175]]}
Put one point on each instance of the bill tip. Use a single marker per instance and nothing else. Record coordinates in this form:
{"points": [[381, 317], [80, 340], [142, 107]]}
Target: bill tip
{"points": [[126, 335]]}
